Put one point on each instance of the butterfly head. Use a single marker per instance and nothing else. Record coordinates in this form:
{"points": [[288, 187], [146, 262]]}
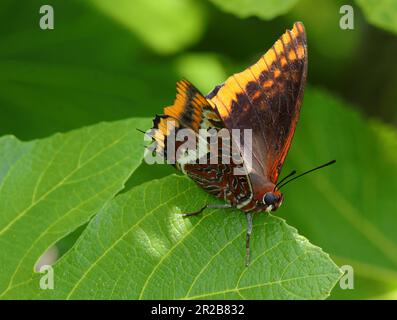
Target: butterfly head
{"points": [[272, 200]]}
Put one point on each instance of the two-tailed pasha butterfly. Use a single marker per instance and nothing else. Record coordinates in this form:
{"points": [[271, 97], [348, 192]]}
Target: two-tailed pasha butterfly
{"points": [[265, 98]]}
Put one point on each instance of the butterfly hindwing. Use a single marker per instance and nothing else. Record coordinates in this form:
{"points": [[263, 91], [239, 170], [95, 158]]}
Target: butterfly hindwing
{"points": [[191, 110]]}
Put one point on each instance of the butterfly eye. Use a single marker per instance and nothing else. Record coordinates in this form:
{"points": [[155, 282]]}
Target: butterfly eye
{"points": [[269, 198]]}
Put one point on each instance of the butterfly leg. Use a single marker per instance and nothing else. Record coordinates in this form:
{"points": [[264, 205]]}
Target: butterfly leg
{"points": [[207, 206], [247, 242]]}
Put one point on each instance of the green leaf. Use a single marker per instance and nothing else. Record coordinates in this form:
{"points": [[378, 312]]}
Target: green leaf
{"points": [[204, 70], [334, 44], [89, 68], [50, 187], [139, 247], [265, 9], [348, 209], [166, 26], [381, 13]]}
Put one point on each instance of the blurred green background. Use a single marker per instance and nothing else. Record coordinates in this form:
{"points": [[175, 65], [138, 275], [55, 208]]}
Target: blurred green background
{"points": [[109, 60]]}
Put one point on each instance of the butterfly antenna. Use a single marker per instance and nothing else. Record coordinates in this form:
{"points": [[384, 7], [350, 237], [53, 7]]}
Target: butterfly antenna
{"points": [[141, 130], [302, 174], [283, 179]]}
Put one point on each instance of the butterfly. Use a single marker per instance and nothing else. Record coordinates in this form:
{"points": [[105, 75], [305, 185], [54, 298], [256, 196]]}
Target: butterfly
{"points": [[265, 98]]}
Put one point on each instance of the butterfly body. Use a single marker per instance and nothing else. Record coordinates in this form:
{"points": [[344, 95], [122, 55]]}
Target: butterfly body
{"points": [[264, 99]]}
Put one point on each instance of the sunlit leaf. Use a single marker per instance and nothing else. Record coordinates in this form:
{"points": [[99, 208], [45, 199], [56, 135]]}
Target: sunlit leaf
{"points": [[50, 187], [139, 247]]}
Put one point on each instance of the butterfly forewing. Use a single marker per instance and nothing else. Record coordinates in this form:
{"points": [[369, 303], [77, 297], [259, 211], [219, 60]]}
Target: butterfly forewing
{"points": [[266, 98]]}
